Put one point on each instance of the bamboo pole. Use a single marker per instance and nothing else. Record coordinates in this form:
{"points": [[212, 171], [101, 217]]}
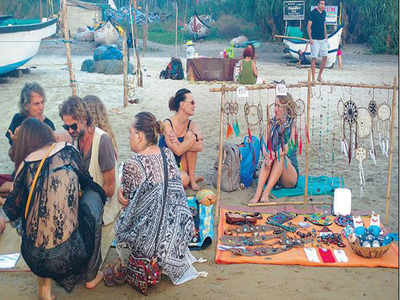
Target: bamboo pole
{"points": [[221, 141], [176, 28], [233, 88], [307, 141], [125, 62], [68, 49], [389, 175], [132, 13], [354, 85], [146, 28]]}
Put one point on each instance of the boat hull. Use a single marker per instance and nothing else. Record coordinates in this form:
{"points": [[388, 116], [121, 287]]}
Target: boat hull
{"points": [[293, 46], [19, 43]]}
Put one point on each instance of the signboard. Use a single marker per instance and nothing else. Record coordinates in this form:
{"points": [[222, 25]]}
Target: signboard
{"points": [[293, 10], [331, 14]]}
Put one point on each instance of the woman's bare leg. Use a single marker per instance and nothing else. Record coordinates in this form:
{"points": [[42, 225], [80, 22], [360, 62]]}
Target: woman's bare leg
{"points": [[44, 289], [6, 187], [262, 179], [278, 170], [184, 171]]}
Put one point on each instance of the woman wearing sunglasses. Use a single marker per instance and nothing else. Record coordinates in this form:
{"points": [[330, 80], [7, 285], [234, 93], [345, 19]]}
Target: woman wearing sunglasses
{"points": [[183, 137]]}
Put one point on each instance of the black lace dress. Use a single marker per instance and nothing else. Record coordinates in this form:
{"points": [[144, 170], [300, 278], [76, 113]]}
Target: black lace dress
{"points": [[53, 245]]}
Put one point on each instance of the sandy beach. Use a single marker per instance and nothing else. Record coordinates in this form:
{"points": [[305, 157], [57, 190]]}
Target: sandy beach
{"points": [[229, 281]]}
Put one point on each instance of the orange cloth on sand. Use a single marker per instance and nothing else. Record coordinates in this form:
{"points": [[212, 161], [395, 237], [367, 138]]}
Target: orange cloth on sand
{"points": [[296, 256]]}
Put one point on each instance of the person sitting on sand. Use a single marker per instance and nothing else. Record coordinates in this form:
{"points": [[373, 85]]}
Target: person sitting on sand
{"points": [[53, 244], [248, 70], [183, 137], [280, 164], [156, 219], [98, 113], [31, 105]]}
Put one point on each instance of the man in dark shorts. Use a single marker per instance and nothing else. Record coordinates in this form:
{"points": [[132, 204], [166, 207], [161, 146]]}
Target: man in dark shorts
{"points": [[316, 29]]}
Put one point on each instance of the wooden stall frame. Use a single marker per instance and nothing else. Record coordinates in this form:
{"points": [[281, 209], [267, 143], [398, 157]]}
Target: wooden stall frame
{"points": [[223, 89], [68, 47]]}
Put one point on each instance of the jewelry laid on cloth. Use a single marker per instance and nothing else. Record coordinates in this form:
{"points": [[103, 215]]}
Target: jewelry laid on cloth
{"points": [[255, 240], [360, 155], [289, 228], [343, 221], [318, 219], [281, 217]]}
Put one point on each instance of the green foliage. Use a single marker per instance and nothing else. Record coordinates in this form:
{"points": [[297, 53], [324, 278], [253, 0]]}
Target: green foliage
{"points": [[163, 34]]}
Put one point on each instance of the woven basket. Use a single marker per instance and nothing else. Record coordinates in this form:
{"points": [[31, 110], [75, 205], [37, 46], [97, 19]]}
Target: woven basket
{"points": [[368, 252]]}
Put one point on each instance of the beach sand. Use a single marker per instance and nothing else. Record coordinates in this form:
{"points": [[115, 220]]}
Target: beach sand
{"points": [[229, 281]]}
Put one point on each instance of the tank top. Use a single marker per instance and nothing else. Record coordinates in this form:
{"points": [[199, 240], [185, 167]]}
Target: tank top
{"points": [[246, 75], [163, 144]]}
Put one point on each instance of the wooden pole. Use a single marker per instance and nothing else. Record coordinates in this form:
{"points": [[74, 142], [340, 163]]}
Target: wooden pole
{"points": [[41, 10], [133, 32], [125, 62], [233, 88], [389, 175], [176, 28], [68, 49], [221, 141], [146, 27], [354, 85], [307, 133]]}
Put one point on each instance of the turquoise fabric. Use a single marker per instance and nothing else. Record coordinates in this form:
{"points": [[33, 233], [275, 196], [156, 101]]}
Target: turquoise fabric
{"points": [[204, 224], [317, 185]]}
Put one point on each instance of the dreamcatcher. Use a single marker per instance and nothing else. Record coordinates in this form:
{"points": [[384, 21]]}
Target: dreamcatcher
{"points": [[350, 114], [372, 110], [251, 110], [228, 111], [384, 113]]}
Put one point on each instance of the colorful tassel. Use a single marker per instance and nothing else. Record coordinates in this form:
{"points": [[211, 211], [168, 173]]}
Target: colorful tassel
{"points": [[236, 128], [300, 146], [229, 131]]}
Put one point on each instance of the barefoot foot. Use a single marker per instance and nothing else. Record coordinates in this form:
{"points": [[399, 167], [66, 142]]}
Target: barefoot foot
{"points": [[92, 284], [254, 200]]}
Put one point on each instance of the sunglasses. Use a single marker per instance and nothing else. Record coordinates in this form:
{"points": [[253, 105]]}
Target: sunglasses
{"points": [[73, 127], [191, 102]]}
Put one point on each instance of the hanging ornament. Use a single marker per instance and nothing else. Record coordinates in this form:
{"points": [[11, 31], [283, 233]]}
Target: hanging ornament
{"points": [[384, 113], [361, 155], [227, 111], [373, 112], [350, 117], [363, 123]]}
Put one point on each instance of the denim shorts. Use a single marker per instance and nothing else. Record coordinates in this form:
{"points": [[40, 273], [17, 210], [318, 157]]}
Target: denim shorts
{"points": [[319, 48]]}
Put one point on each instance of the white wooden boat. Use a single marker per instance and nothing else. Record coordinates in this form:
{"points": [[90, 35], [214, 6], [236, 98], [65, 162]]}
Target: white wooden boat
{"points": [[20, 42], [293, 46], [106, 35]]}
